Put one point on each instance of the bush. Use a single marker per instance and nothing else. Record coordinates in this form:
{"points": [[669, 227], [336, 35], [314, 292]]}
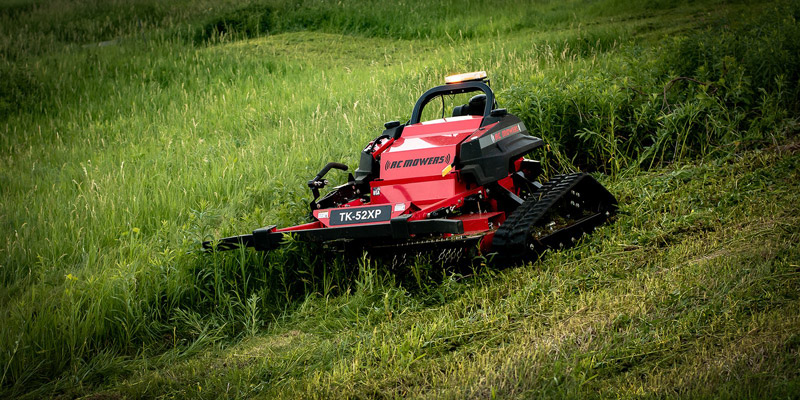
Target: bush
{"points": [[245, 22], [19, 90], [727, 85]]}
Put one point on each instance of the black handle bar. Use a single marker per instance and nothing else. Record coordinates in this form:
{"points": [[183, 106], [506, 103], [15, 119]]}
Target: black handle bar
{"points": [[317, 183], [328, 168]]}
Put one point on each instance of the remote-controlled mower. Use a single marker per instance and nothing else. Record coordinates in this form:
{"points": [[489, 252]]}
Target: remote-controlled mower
{"points": [[452, 186]]}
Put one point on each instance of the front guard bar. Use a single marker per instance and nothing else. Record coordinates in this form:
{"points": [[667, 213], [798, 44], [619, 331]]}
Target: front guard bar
{"points": [[269, 237]]}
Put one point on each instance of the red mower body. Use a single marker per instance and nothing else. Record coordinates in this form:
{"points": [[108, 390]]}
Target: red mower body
{"points": [[451, 184]]}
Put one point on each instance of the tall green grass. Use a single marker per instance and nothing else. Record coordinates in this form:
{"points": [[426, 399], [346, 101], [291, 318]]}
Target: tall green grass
{"points": [[723, 85], [198, 120]]}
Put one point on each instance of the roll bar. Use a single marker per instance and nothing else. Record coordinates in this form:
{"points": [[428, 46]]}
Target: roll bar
{"points": [[455, 88]]}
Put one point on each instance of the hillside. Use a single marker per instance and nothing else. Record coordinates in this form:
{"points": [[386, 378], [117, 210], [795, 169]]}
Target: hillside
{"points": [[133, 130]]}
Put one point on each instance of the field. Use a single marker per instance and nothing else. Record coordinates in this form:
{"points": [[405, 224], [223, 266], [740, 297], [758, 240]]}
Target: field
{"points": [[132, 130]]}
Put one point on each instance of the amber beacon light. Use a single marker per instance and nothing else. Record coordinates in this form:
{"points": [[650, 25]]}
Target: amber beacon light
{"points": [[469, 76]]}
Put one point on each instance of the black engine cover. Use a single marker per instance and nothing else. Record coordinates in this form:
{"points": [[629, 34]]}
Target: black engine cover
{"points": [[489, 158]]}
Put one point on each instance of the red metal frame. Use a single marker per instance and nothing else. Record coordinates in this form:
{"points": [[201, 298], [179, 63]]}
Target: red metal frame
{"points": [[412, 178]]}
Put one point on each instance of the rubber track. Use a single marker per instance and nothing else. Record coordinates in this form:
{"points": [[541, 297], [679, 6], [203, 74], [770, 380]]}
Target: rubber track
{"points": [[511, 239]]}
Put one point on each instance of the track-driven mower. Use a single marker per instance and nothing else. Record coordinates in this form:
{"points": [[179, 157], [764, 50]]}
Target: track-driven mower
{"points": [[453, 187]]}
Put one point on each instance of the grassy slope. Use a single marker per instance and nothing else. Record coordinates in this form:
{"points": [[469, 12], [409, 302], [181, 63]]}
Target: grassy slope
{"points": [[130, 154], [691, 292]]}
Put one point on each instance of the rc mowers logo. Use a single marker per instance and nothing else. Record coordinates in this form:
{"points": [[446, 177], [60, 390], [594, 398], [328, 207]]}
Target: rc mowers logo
{"points": [[413, 162], [496, 136]]}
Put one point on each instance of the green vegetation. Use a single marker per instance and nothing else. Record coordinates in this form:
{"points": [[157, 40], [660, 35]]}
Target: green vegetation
{"points": [[133, 130]]}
